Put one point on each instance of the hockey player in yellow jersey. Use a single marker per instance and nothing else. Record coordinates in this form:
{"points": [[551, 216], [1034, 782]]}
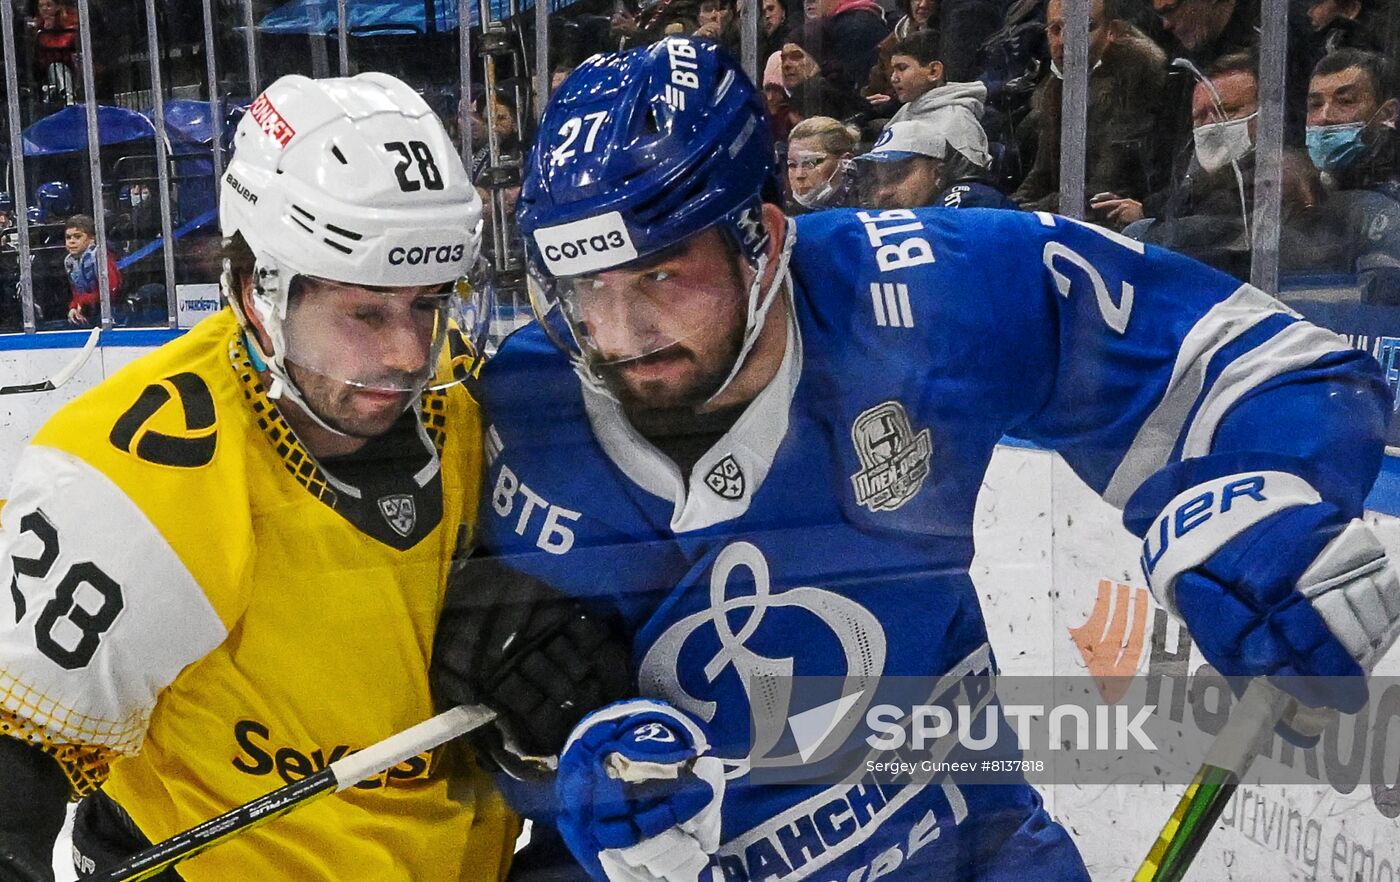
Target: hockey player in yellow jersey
{"points": [[226, 563]]}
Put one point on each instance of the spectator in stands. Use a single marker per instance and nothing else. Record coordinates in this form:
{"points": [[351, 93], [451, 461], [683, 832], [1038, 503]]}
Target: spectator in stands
{"points": [[1204, 31], [80, 241], [847, 41], [502, 114], [55, 27], [919, 86], [1204, 214], [645, 23], [819, 156], [809, 92], [9, 237], [557, 75], [1341, 24], [918, 15], [773, 29], [1011, 58], [1351, 232], [796, 63], [965, 27], [1351, 122], [939, 161], [719, 21], [1125, 83]]}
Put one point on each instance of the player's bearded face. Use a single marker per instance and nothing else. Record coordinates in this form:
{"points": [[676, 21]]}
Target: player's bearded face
{"points": [[360, 356], [666, 332]]}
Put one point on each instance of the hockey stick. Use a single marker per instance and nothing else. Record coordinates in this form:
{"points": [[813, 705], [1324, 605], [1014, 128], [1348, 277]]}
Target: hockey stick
{"points": [[64, 374], [1243, 737], [339, 775]]}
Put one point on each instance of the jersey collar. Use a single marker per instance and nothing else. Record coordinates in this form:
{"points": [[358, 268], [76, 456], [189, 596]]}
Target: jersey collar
{"points": [[725, 479]]}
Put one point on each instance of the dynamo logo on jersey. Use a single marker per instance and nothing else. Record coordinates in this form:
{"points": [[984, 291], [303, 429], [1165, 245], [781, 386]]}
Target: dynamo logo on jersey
{"points": [[741, 599]]}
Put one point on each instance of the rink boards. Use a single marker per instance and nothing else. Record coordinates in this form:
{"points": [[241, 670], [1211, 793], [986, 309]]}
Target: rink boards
{"points": [[1046, 544]]}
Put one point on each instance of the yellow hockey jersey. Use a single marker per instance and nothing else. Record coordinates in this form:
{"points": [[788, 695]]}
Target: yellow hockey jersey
{"points": [[202, 614]]}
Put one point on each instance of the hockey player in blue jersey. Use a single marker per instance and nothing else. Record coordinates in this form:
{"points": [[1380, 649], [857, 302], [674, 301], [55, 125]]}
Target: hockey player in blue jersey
{"points": [[759, 440]]}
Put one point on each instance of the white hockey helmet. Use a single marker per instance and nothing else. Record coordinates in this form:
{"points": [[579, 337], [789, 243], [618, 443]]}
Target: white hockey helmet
{"points": [[350, 180]]}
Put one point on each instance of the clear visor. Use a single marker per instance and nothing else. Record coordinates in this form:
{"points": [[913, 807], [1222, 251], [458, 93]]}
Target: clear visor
{"points": [[907, 182], [386, 340], [652, 306]]}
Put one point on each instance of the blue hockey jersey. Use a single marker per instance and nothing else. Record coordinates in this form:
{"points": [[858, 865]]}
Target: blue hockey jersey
{"points": [[829, 532]]}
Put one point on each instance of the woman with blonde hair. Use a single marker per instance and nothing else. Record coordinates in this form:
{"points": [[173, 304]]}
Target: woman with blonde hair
{"points": [[819, 155]]}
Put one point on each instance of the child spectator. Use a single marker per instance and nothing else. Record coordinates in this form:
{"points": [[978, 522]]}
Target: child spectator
{"points": [[80, 240], [917, 77]]}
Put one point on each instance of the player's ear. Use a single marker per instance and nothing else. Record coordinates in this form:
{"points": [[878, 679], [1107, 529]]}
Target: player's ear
{"points": [[775, 224]]}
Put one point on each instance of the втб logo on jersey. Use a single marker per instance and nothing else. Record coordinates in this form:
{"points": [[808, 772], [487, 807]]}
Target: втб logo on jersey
{"points": [[895, 459], [400, 512], [766, 681]]}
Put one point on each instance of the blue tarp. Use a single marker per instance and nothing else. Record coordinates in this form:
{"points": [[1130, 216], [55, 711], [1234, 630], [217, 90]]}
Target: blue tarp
{"points": [[66, 130], [381, 17], [188, 121]]}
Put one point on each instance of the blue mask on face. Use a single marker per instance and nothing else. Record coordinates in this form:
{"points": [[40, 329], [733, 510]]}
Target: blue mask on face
{"points": [[1333, 148]]}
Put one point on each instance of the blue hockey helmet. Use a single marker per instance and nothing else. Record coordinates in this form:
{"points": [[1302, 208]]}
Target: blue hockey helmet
{"points": [[637, 152], [54, 200], [7, 202]]}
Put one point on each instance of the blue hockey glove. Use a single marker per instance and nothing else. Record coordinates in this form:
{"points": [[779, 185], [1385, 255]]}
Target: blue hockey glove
{"points": [[1271, 580], [639, 798]]}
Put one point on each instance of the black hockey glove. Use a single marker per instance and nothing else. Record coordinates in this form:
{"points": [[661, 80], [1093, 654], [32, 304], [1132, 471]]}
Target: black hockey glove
{"points": [[33, 797], [14, 868], [540, 659]]}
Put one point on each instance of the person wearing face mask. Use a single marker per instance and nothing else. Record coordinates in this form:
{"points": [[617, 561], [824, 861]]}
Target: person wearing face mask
{"points": [[1351, 123], [1352, 147], [818, 164], [1203, 213], [1124, 91]]}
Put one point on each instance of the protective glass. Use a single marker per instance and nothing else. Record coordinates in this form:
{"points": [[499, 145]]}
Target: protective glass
{"points": [[1220, 143], [1336, 146], [641, 308], [819, 193], [387, 339], [910, 182]]}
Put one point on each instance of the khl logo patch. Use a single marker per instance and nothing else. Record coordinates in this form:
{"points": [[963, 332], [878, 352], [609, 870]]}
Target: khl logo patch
{"points": [[726, 479], [895, 460], [400, 511]]}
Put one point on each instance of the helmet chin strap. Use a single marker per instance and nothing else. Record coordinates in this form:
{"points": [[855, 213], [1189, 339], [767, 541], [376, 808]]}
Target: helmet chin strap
{"points": [[282, 388], [758, 308]]}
